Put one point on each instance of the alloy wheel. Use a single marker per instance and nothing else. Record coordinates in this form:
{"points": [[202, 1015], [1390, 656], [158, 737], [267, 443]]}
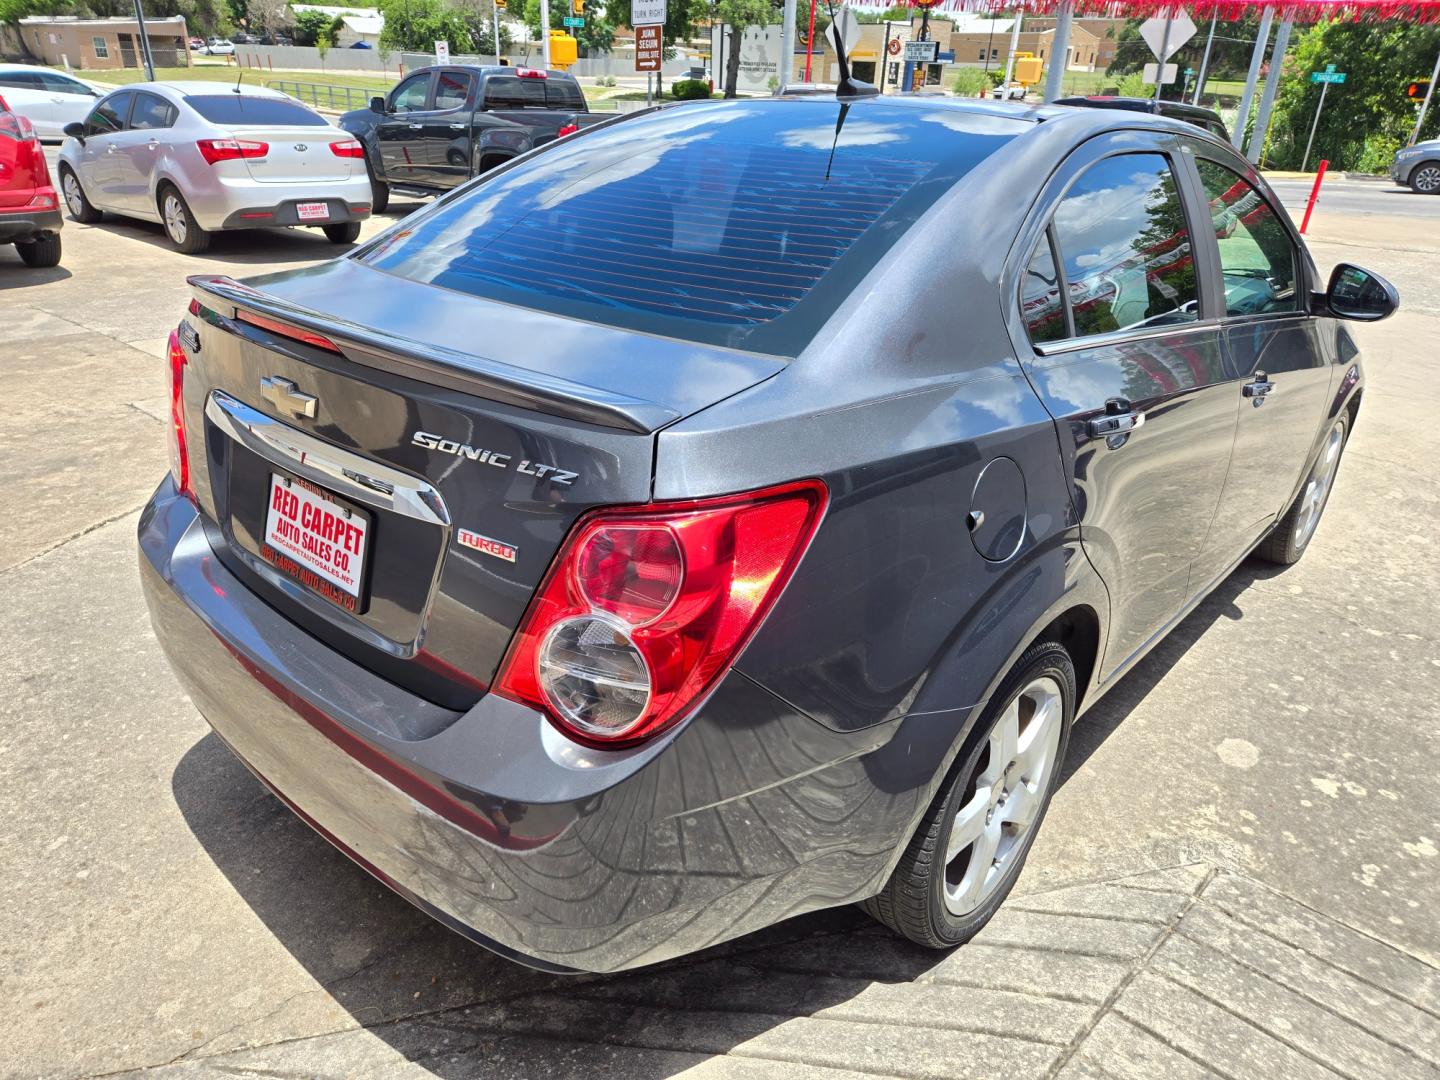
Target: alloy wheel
{"points": [[1003, 799], [1428, 179], [74, 199], [1317, 485], [175, 223]]}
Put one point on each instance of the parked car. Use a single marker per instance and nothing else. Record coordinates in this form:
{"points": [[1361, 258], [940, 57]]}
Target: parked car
{"points": [[675, 532], [1013, 92], [442, 125], [195, 43], [1201, 117], [29, 208], [361, 45], [805, 89], [218, 47], [199, 157], [1418, 167], [243, 39], [49, 99]]}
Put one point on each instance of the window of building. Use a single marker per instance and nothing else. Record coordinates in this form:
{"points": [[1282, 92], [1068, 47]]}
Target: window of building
{"points": [[102, 50]]}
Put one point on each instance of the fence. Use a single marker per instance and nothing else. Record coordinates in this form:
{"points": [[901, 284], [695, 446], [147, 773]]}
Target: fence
{"points": [[323, 95], [394, 64]]}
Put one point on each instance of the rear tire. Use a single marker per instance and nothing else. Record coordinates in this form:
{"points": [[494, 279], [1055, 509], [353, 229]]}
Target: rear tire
{"points": [[42, 253], [75, 201], [1292, 534], [346, 233], [1425, 178], [180, 224], [968, 850]]}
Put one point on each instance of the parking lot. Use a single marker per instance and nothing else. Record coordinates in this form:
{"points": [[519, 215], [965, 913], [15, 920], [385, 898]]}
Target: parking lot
{"points": [[1238, 876]]}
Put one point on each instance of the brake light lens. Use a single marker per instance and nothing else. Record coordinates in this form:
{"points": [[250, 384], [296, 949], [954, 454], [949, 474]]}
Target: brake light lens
{"points": [[567, 129], [16, 126], [179, 451], [216, 150], [645, 609], [531, 73], [284, 329], [349, 148]]}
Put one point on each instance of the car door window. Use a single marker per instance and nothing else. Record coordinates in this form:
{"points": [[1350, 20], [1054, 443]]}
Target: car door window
{"points": [[1041, 304], [151, 112], [21, 81], [564, 94], [411, 96], [1125, 245], [452, 89], [59, 84], [1257, 257], [109, 115]]}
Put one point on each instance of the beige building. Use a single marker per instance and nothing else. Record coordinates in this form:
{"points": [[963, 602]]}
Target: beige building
{"points": [[96, 44]]}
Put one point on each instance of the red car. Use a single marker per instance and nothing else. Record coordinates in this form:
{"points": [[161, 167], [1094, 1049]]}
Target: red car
{"points": [[29, 208]]}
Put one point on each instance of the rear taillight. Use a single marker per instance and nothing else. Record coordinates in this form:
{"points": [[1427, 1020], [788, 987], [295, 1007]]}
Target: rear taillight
{"points": [[179, 451], [215, 150], [16, 126], [347, 148], [644, 609], [567, 129]]}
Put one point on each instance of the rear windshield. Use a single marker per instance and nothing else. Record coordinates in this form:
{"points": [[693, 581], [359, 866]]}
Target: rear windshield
{"points": [[242, 109], [733, 223]]}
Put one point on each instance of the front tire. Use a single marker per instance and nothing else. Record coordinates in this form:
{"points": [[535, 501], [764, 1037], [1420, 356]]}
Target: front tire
{"points": [[379, 192], [345, 233], [1291, 535], [1425, 178], [180, 224], [42, 253], [79, 206], [968, 850]]}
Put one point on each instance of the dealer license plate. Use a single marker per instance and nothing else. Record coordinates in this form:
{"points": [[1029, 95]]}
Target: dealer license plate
{"points": [[312, 211], [313, 537]]}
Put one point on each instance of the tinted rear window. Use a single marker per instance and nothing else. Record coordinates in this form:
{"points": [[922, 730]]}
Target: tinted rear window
{"points": [[732, 223], [244, 109]]}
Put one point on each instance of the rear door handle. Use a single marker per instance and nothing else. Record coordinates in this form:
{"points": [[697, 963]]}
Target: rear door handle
{"points": [[1120, 418], [457, 127], [416, 127], [111, 150]]}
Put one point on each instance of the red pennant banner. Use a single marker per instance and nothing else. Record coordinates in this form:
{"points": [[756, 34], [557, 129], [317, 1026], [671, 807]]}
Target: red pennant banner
{"points": [[1301, 11]]}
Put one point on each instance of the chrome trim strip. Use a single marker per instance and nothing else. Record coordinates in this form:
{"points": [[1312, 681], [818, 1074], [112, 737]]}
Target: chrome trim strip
{"points": [[347, 474], [1121, 337]]}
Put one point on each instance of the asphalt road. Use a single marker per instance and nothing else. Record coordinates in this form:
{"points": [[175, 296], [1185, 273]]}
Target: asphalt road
{"points": [[1358, 198], [1239, 874]]}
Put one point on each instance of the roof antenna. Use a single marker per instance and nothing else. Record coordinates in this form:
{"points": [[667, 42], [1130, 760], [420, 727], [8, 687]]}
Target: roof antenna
{"points": [[850, 87], [239, 74]]}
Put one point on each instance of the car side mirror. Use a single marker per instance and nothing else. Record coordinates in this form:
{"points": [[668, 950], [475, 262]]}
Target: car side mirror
{"points": [[1359, 294], [377, 104], [75, 130]]}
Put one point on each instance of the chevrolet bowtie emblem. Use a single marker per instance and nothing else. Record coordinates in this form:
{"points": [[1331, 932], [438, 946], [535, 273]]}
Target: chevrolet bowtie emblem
{"points": [[286, 396]]}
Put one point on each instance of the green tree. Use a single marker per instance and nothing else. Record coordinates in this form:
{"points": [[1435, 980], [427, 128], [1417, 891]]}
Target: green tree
{"points": [[309, 25], [1368, 112], [738, 15], [415, 26], [596, 36], [970, 82]]}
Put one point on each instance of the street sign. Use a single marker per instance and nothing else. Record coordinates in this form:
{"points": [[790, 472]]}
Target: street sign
{"points": [[1329, 75], [571, 21], [1182, 29], [921, 52], [646, 13], [1171, 70], [843, 33], [442, 52], [647, 47]]}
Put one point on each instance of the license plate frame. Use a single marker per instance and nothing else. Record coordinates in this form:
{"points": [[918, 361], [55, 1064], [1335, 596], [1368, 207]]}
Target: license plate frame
{"points": [[312, 211], [325, 565]]}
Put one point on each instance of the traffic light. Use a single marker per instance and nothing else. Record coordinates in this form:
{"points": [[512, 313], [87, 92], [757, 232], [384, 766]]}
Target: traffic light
{"points": [[577, 8], [499, 5], [1417, 90]]}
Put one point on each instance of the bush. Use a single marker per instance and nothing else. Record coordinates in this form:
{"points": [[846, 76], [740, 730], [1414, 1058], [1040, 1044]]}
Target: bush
{"points": [[1134, 85], [970, 82], [1379, 152], [607, 80], [689, 89]]}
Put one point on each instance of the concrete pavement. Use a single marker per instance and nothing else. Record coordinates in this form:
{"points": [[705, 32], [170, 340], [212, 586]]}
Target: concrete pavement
{"points": [[1239, 875]]}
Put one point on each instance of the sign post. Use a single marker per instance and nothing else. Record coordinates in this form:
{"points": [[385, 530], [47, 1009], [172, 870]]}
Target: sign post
{"points": [[442, 52], [495, 13], [1324, 78], [1425, 106], [647, 18], [1165, 35]]}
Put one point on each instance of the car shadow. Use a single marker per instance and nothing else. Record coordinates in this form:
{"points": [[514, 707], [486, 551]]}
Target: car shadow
{"points": [[244, 246], [14, 274], [402, 976]]}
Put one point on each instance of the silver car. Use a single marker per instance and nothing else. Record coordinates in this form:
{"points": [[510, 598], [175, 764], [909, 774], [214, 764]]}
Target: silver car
{"points": [[1419, 167], [198, 157]]}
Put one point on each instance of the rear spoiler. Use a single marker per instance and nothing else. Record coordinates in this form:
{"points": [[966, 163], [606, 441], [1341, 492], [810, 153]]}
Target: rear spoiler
{"points": [[439, 366]]}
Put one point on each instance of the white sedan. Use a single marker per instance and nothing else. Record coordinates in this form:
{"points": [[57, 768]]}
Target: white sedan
{"points": [[49, 99], [201, 156]]}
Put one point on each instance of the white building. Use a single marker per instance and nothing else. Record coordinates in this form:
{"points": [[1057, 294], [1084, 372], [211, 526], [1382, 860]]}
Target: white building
{"points": [[357, 24]]}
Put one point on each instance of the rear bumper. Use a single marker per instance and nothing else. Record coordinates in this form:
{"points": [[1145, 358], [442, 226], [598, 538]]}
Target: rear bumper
{"points": [[218, 201], [287, 213], [28, 225], [559, 856]]}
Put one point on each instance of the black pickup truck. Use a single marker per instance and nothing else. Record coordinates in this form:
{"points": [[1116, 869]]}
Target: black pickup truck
{"points": [[442, 125]]}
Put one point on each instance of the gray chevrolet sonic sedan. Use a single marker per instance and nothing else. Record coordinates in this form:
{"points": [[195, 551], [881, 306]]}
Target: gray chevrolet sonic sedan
{"points": [[725, 513]]}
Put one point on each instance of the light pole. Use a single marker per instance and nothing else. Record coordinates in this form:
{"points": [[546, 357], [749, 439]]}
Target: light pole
{"points": [[787, 43], [145, 57], [1204, 62], [1425, 105], [1267, 99], [1257, 57], [1059, 51]]}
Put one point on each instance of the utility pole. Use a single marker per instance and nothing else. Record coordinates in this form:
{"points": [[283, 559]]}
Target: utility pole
{"points": [[1010, 57], [1425, 105], [1267, 99], [545, 35], [495, 11], [1204, 62], [1324, 86], [1059, 51], [787, 42], [1257, 57], [145, 57]]}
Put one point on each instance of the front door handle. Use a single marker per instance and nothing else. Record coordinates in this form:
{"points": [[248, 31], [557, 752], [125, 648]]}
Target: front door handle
{"points": [[1257, 387], [457, 127], [416, 127], [1120, 418], [111, 150]]}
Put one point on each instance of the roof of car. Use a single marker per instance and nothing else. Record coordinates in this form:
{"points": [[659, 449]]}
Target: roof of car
{"points": [[1139, 104], [198, 87]]}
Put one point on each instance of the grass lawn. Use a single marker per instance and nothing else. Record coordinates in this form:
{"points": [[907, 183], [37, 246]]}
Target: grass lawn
{"points": [[227, 73]]}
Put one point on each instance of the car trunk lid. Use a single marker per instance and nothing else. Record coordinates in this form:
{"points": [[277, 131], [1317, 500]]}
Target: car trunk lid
{"points": [[296, 155]]}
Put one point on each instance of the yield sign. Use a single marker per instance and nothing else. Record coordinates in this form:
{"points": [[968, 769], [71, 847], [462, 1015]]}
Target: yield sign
{"points": [[843, 33], [1182, 29]]}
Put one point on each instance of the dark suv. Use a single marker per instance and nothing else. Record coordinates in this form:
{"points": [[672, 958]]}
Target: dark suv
{"points": [[725, 514], [1201, 117]]}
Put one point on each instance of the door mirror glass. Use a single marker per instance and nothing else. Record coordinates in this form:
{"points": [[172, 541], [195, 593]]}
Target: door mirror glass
{"points": [[377, 104], [75, 131], [1359, 294]]}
